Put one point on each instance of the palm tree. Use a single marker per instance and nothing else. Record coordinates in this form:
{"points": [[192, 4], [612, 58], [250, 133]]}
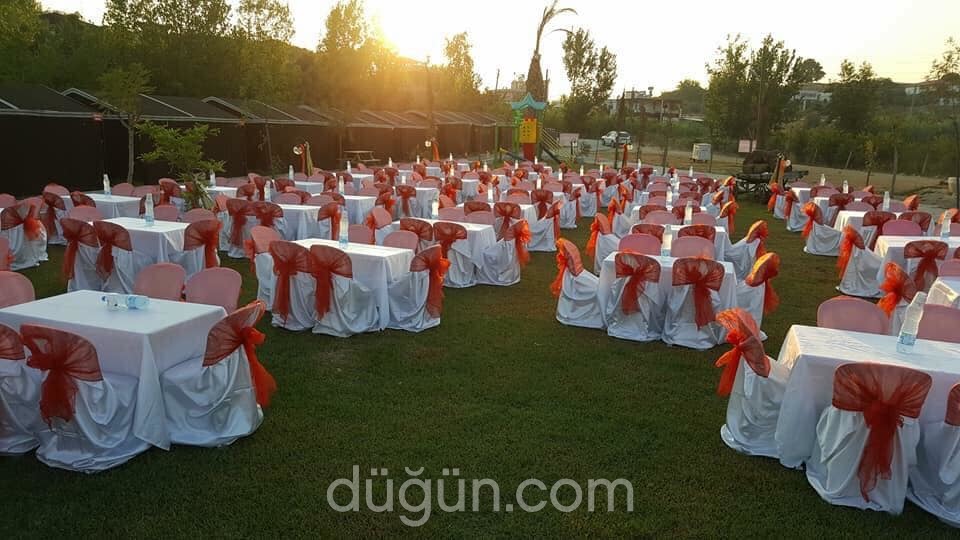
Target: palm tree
{"points": [[535, 83]]}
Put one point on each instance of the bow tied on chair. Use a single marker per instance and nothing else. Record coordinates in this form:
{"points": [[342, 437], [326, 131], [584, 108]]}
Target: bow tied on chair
{"points": [[851, 237], [790, 198], [446, 233], [929, 252], [406, 193], [814, 216], [507, 212], [898, 287], [729, 211], [238, 209], [66, 358], [110, 235], [289, 259], [759, 231], [520, 233], [568, 259], [775, 190], [204, 233], [236, 330], [325, 263], [432, 260], [744, 336], [76, 232], [638, 269], [704, 275], [332, 212], [764, 270]]}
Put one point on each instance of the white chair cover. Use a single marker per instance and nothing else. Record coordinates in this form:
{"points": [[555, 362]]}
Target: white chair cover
{"points": [[644, 325], [85, 276], [577, 304], [754, 408], [860, 277], [303, 311], [797, 218], [680, 327], [500, 265], [568, 213], [823, 240], [621, 225], [263, 267], [588, 204], [26, 253], [19, 407], [57, 238], [935, 477], [606, 244], [100, 436], [779, 207], [353, 309], [210, 406], [751, 299], [126, 266], [542, 235], [608, 194], [742, 256], [408, 303], [832, 466]]}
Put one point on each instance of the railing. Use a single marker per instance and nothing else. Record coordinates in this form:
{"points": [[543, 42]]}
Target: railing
{"points": [[550, 140]]}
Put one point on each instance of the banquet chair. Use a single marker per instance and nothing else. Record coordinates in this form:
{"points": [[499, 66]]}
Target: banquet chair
{"points": [[423, 230], [7, 200], [452, 214], [858, 265], [897, 207], [453, 240], [270, 214], [692, 303], [377, 222], [923, 259], [197, 214], [15, 288], [703, 218], [214, 399], [571, 212], [948, 268], [92, 431], [6, 255], [899, 227], [602, 241], [575, 289], [26, 234], [214, 286], [328, 221], [318, 200], [166, 212], [660, 217], [852, 315], [287, 198], [873, 225], [755, 384], [403, 239], [259, 249], [416, 299], [294, 288], [859, 206], [85, 213], [755, 294], [707, 232], [476, 206], [409, 205], [867, 438], [123, 189], [19, 397], [923, 219], [163, 281], [56, 189], [940, 323], [505, 215], [546, 229], [793, 212], [79, 198], [935, 478], [820, 238], [54, 209], [79, 268], [635, 309], [237, 227], [644, 244], [117, 262], [341, 306], [200, 240], [692, 246], [503, 262]]}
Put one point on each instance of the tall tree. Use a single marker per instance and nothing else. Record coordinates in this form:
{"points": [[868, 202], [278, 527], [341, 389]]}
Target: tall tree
{"points": [[592, 74], [690, 93], [727, 104], [20, 28], [264, 20], [535, 84], [121, 89], [854, 97], [461, 80], [945, 72]]}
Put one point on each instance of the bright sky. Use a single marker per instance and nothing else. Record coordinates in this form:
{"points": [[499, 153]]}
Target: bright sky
{"points": [[657, 43]]}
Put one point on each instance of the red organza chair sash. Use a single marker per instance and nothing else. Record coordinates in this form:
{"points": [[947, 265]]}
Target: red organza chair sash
{"points": [[638, 269], [729, 211], [507, 212], [206, 234], [600, 225], [261, 183], [337, 197], [406, 193], [423, 229], [21, 214], [884, 394], [76, 232], [11, 347], [759, 231], [680, 209], [267, 213], [283, 184], [568, 260], [775, 190], [912, 202], [432, 260], [952, 416], [873, 200], [110, 235], [81, 199], [647, 208], [649, 228], [703, 231], [897, 285], [327, 262], [744, 336], [541, 199], [790, 199], [475, 206], [54, 202], [66, 358], [247, 191], [929, 252], [922, 219], [289, 259], [238, 209], [703, 275], [236, 330], [814, 215], [851, 238], [520, 233], [331, 211], [385, 199], [877, 218], [764, 270], [446, 233]]}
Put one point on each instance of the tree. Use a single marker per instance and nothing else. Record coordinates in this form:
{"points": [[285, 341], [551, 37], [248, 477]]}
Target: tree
{"points": [[726, 102], [690, 93], [346, 27], [20, 28], [461, 80], [854, 98], [535, 84], [121, 89], [263, 20], [182, 149], [591, 73], [945, 71], [810, 70]]}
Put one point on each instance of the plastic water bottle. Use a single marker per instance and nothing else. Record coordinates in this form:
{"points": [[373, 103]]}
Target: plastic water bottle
{"points": [[846, 187], [213, 179], [340, 185], [945, 230], [344, 229], [117, 302], [148, 210], [886, 201], [435, 209], [911, 322], [266, 192], [669, 198], [290, 172], [106, 185], [688, 213], [823, 179]]}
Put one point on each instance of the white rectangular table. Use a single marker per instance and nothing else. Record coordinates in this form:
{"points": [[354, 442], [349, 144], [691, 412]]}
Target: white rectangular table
{"points": [[313, 188], [359, 206], [608, 274], [803, 194], [720, 240], [299, 221], [135, 343], [479, 238], [635, 212], [890, 249], [813, 354], [374, 267], [110, 206], [160, 241], [425, 198], [945, 291]]}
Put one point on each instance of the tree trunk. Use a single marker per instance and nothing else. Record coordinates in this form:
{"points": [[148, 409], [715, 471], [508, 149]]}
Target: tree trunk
{"points": [[923, 168], [896, 163], [849, 157], [130, 152]]}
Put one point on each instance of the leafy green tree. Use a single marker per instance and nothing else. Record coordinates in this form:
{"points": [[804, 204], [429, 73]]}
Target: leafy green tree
{"points": [[726, 103], [535, 84], [20, 28], [592, 74], [461, 81], [121, 89], [854, 97], [182, 150], [690, 93], [945, 71], [264, 20]]}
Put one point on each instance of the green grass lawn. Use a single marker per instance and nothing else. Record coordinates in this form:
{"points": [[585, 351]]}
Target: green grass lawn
{"points": [[500, 390]]}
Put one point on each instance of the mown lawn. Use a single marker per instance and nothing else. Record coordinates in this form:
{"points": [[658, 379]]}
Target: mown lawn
{"points": [[500, 390]]}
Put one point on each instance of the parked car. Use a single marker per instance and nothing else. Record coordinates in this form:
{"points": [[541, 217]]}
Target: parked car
{"points": [[615, 138]]}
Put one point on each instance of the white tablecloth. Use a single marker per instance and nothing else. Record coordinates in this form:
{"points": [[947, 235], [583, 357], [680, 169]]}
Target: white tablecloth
{"points": [[136, 343], [890, 249], [111, 206], [479, 238], [358, 179], [720, 241], [226, 191], [608, 274], [813, 354], [159, 241], [359, 207], [299, 221], [803, 194], [470, 187], [945, 292], [313, 188], [425, 198], [374, 267]]}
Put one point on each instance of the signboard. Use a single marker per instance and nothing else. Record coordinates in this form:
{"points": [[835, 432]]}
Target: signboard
{"points": [[746, 146], [528, 130]]}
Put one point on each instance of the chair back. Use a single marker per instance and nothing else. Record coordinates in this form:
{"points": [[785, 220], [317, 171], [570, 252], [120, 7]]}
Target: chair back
{"points": [[744, 335], [897, 207], [706, 232], [446, 233], [402, 239], [81, 199], [703, 275], [66, 358], [325, 263], [940, 323], [482, 217], [660, 217], [638, 269], [649, 228], [858, 206], [640, 243], [15, 288], [922, 219], [85, 213], [110, 235], [950, 268], [452, 214], [163, 281], [215, 286], [692, 246], [899, 227], [166, 212], [852, 314], [123, 189], [261, 238], [476, 206], [204, 234], [318, 200], [267, 213], [704, 218], [766, 267], [360, 234], [56, 189], [287, 198]]}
